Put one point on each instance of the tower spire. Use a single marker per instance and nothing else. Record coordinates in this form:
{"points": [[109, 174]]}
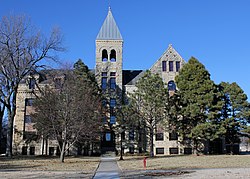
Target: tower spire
{"points": [[109, 5], [109, 29]]}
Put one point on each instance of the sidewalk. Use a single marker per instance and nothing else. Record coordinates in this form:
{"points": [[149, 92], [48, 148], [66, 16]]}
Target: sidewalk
{"points": [[108, 168]]}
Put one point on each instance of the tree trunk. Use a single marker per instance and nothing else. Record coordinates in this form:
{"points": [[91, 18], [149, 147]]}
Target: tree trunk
{"points": [[151, 142], [63, 152], [1, 124], [11, 115], [196, 147], [9, 135], [42, 145]]}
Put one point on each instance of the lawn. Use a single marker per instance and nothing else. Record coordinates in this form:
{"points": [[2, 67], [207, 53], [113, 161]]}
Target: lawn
{"points": [[186, 162], [38, 163]]}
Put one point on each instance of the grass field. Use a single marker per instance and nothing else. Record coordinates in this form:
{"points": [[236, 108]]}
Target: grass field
{"points": [[186, 162], [38, 163], [89, 164]]}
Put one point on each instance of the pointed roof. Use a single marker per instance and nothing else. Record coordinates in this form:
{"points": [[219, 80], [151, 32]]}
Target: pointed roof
{"points": [[109, 29]]}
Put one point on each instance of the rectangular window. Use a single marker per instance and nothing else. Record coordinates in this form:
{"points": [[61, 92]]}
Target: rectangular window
{"points": [[187, 150], [104, 83], [173, 136], [32, 83], [32, 150], [104, 119], [112, 102], [27, 119], [131, 149], [104, 103], [112, 119], [171, 66], [159, 136], [51, 150], [112, 83], [24, 150], [29, 102], [160, 150], [131, 135], [178, 66], [164, 66], [112, 73], [58, 83], [104, 74], [108, 136], [174, 150]]}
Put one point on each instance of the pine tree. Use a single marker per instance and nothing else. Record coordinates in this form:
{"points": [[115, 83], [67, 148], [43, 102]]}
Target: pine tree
{"points": [[235, 112], [197, 94]]}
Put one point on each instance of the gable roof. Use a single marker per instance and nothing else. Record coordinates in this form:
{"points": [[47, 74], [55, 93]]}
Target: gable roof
{"points": [[130, 77], [109, 29]]}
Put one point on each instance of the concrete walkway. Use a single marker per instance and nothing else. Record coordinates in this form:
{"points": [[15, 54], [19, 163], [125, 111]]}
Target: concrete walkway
{"points": [[108, 168]]}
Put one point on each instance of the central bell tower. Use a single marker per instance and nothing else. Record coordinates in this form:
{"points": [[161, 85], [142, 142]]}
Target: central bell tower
{"points": [[108, 73], [109, 49]]}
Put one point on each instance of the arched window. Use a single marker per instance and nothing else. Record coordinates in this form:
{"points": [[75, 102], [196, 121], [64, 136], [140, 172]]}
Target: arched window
{"points": [[104, 55], [171, 86], [113, 56]]}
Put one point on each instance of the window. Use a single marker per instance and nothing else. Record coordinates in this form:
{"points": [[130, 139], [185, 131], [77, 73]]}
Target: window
{"points": [[178, 66], [104, 119], [32, 150], [51, 150], [131, 149], [159, 136], [32, 83], [58, 83], [164, 66], [27, 119], [104, 103], [112, 102], [108, 136], [29, 102], [131, 135], [112, 106], [104, 55], [171, 66], [112, 73], [112, 83], [104, 74], [104, 83], [160, 150], [24, 150], [187, 150], [171, 86], [113, 56], [174, 150], [173, 136], [112, 119]]}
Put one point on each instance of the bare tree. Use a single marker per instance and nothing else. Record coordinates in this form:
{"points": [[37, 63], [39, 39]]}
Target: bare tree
{"points": [[21, 51], [70, 114], [148, 102]]}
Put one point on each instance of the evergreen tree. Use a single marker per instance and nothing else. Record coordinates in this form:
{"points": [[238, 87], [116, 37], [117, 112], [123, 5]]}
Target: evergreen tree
{"points": [[197, 94], [235, 112]]}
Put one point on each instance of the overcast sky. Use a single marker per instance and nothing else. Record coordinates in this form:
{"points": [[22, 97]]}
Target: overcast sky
{"points": [[216, 32]]}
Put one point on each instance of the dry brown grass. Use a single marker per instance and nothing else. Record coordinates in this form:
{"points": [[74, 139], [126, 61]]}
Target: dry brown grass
{"points": [[85, 164], [187, 162]]}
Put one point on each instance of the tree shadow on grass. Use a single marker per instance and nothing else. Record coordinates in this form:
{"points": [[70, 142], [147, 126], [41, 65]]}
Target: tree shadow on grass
{"points": [[13, 167]]}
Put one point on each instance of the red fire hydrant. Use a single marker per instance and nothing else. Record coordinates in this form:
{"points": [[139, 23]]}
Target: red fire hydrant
{"points": [[145, 162]]}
